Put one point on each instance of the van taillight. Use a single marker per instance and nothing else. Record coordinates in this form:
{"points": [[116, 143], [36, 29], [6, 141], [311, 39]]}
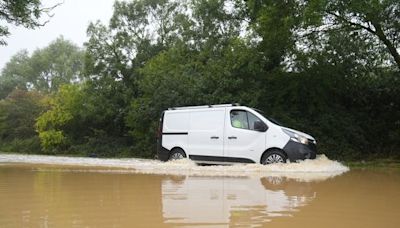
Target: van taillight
{"points": [[160, 124], [159, 131]]}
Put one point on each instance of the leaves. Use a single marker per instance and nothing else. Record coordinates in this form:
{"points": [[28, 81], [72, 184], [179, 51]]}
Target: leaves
{"points": [[27, 13], [45, 70], [62, 109], [17, 114]]}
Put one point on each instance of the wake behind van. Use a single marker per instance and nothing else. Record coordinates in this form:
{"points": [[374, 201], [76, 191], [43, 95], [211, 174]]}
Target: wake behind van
{"points": [[228, 133]]}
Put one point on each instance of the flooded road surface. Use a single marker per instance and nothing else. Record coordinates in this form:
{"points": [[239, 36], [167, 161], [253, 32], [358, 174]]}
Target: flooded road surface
{"points": [[40, 191]]}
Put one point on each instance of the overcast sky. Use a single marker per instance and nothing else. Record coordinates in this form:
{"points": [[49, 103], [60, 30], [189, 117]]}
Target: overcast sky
{"points": [[70, 20]]}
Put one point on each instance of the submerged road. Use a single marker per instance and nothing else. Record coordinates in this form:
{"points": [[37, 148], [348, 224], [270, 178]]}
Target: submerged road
{"points": [[311, 169]]}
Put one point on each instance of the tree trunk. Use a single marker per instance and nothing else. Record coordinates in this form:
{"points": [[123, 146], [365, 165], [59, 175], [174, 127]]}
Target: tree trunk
{"points": [[392, 49]]}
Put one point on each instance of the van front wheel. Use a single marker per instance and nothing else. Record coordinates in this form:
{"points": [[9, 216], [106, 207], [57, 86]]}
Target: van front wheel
{"points": [[274, 156], [176, 154]]}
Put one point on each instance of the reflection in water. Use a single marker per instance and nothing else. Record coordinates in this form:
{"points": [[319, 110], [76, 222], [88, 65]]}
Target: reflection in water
{"points": [[37, 196], [240, 200], [68, 196]]}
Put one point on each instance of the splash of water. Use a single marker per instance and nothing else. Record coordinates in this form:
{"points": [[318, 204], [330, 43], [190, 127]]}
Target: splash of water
{"points": [[309, 170]]}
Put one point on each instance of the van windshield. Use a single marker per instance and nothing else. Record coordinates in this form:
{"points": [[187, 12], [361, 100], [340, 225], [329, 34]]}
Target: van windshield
{"points": [[266, 117]]}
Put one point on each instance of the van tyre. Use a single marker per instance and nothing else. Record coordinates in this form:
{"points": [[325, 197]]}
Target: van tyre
{"points": [[177, 154], [273, 156]]}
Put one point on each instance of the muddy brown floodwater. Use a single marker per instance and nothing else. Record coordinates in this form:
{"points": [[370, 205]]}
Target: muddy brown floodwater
{"points": [[68, 195]]}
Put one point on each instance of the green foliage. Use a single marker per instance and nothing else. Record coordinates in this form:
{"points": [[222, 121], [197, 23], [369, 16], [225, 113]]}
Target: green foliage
{"points": [[51, 139], [79, 119], [26, 13], [274, 22], [57, 64], [63, 106], [26, 146], [17, 119], [376, 22], [325, 67], [17, 114], [12, 75], [45, 70]]}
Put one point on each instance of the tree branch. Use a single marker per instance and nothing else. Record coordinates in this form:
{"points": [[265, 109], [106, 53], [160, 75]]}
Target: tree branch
{"points": [[389, 45], [360, 26], [377, 31]]}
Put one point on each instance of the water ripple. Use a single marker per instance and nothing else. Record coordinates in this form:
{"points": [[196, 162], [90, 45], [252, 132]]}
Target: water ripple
{"points": [[309, 170]]}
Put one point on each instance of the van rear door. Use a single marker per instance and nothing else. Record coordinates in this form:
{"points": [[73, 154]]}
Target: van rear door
{"points": [[175, 129], [206, 134]]}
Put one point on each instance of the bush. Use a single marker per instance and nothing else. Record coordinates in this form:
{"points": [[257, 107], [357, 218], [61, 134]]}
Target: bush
{"points": [[27, 146]]}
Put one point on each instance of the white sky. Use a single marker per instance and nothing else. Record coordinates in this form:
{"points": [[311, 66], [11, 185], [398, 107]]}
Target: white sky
{"points": [[70, 20]]}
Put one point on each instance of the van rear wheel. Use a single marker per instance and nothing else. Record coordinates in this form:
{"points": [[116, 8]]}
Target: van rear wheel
{"points": [[176, 154], [274, 156]]}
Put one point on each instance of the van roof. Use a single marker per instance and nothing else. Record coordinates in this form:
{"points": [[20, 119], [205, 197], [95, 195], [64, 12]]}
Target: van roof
{"points": [[204, 106]]}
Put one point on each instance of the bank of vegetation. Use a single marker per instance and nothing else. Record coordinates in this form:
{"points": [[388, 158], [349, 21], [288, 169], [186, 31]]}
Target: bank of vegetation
{"points": [[329, 68]]}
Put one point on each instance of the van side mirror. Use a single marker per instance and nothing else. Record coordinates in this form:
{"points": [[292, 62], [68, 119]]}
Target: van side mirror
{"points": [[260, 126]]}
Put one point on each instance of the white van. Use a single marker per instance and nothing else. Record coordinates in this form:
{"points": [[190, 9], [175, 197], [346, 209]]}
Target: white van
{"points": [[229, 133]]}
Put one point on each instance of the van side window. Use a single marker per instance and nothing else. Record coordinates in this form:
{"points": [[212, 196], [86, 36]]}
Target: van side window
{"points": [[244, 120], [239, 119], [252, 120]]}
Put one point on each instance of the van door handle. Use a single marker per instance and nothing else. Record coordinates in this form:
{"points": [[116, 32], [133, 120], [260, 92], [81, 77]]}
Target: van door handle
{"points": [[214, 137], [232, 137]]}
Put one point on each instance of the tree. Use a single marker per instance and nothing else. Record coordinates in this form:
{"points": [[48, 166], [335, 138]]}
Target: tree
{"points": [[18, 113], [61, 62], [379, 18], [138, 31], [79, 120], [63, 107], [376, 22], [274, 23], [14, 74], [26, 13]]}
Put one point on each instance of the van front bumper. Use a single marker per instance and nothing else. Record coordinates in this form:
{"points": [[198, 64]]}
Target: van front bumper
{"points": [[298, 151]]}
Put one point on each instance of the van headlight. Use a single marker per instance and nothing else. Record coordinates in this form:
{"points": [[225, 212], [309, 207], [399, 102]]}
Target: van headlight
{"points": [[296, 137]]}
